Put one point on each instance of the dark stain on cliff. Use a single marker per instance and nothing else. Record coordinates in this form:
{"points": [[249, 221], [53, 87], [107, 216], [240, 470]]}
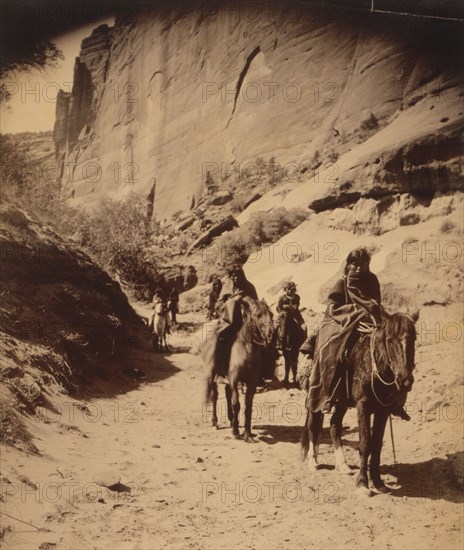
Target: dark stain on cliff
{"points": [[241, 78]]}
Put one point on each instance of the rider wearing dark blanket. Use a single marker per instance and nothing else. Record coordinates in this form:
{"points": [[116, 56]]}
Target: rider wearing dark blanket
{"points": [[288, 308], [228, 308], [353, 296]]}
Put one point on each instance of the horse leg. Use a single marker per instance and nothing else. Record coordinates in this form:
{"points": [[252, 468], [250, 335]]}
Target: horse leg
{"points": [[166, 348], [294, 363], [315, 421], [235, 409], [214, 394], [250, 392], [230, 414], [364, 424], [287, 368], [378, 430], [336, 434]]}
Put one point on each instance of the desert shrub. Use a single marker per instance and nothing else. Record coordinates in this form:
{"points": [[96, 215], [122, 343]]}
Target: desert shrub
{"points": [[263, 228], [332, 157], [447, 226], [370, 123]]}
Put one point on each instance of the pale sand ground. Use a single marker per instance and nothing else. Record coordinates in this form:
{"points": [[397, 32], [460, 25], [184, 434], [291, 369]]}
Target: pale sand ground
{"points": [[197, 487]]}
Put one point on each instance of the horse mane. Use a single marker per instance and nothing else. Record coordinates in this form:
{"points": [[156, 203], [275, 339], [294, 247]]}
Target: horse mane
{"points": [[397, 325], [254, 312]]}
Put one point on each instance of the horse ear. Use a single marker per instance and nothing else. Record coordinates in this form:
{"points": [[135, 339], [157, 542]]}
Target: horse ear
{"points": [[415, 315]]}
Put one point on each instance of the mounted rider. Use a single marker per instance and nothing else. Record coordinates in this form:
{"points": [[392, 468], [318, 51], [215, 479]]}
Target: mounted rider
{"points": [[354, 304], [173, 304], [228, 308], [159, 305], [288, 308], [213, 297]]}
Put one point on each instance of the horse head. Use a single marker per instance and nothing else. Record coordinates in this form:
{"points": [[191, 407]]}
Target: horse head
{"points": [[397, 333], [260, 319]]}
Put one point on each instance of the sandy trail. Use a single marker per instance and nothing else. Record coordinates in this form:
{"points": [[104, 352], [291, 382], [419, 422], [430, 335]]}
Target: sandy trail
{"points": [[192, 486]]}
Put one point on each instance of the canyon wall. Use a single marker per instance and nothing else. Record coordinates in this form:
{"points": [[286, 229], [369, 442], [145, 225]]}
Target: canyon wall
{"points": [[169, 94]]}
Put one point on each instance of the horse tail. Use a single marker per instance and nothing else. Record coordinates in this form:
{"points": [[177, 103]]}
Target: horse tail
{"points": [[304, 440]]}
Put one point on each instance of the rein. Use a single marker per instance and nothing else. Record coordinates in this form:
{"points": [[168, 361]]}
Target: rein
{"points": [[253, 339], [375, 371]]}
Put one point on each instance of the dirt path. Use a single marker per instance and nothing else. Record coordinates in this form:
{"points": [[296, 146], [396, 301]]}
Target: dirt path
{"points": [[195, 487]]}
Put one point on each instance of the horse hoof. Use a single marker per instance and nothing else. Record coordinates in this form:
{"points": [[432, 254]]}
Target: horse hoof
{"points": [[249, 439], [363, 491], [236, 435], [381, 487], [343, 468]]}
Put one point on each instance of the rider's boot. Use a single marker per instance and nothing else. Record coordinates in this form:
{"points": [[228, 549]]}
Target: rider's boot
{"points": [[399, 411]]}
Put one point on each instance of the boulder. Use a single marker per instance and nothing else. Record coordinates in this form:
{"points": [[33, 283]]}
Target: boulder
{"points": [[221, 198], [205, 239]]}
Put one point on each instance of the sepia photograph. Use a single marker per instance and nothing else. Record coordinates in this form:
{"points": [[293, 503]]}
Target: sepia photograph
{"points": [[231, 274]]}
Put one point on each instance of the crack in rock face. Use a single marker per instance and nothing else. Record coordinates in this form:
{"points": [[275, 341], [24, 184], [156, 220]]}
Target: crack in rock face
{"points": [[241, 78]]}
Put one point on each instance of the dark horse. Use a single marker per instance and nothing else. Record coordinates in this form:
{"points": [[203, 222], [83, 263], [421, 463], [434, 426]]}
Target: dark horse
{"points": [[382, 363], [251, 357], [293, 338]]}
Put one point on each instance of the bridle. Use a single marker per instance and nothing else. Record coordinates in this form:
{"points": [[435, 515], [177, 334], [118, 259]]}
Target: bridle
{"points": [[253, 322], [375, 371]]}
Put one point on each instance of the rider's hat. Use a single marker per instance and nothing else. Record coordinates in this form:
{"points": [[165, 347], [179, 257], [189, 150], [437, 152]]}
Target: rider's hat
{"points": [[235, 270], [290, 285]]}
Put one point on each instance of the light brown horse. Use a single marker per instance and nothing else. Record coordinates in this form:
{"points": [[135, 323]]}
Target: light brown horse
{"points": [[252, 357], [158, 326]]}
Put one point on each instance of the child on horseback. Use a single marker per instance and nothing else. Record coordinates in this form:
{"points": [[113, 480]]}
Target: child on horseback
{"points": [[354, 298], [288, 309]]}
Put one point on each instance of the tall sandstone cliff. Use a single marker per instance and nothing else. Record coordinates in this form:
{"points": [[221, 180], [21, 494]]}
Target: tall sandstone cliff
{"points": [[169, 93]]}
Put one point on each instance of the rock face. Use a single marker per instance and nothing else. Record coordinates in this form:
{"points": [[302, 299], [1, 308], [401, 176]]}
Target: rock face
{"points": [[225, 225], [183, 91]]}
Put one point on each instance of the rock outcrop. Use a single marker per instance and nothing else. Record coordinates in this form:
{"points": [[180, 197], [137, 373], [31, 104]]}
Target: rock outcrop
{"points": [[218, 229], [183, 91], [62, 319]]}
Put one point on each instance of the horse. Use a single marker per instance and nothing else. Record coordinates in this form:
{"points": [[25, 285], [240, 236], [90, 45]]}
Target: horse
{"points": [[172, 312], [158, 325], [293, 338], [382, 363], [251, 353]]}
